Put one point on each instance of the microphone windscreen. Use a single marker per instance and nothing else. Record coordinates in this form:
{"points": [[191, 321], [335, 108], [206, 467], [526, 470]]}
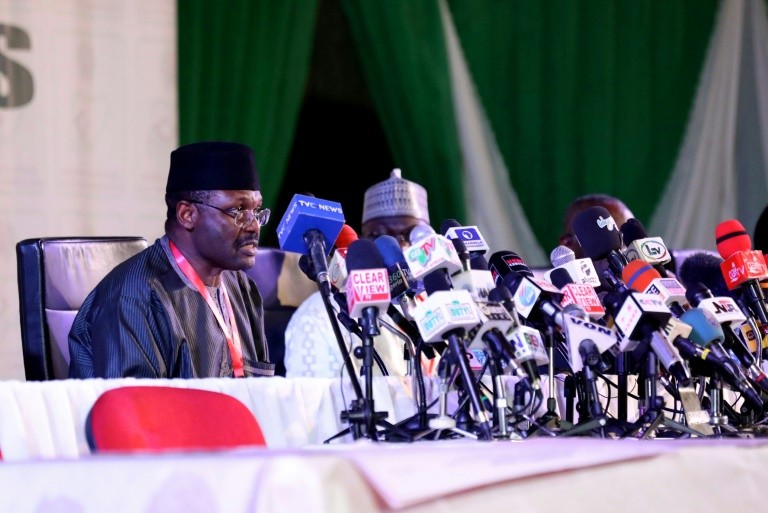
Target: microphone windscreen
{"points": [[731, 237], [499, 294], [504, 262], [705, 328], [695, 292], [390, 250], [461, 249], [419, 232], [436, 281], [447, 225], [638, 274], [478, 263], [363, 254], [632, 230], [703, 268], [597, 232], [307, 267], [346, 236], [560, 277], [561, 255]]}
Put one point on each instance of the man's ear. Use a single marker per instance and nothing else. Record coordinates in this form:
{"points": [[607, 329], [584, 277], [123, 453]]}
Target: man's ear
{"points": [[186, 214]]}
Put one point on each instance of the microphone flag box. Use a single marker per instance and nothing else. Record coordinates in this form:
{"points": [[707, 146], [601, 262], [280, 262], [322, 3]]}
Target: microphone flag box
{"points": [[651, 250], [443, 311], [743, 266], [305, 213], [430, 253], [470, 236], [366, 288], [585, 297]]}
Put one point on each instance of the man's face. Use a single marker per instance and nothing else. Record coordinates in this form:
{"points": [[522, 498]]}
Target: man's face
{"points": [[217, 237], [398, 227]]}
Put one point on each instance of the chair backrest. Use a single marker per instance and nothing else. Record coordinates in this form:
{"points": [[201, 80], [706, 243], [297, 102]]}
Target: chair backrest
{"points": [[163, 418], [283, 286], [55, 274]]}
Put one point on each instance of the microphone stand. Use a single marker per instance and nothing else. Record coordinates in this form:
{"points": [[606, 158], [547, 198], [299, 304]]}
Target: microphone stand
{"points": [[363, 417], [358, 402], [652, 418]]}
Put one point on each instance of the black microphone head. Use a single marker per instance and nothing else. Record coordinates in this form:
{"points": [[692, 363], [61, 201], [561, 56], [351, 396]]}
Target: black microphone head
{"points": [[597, 232], [499, 294], [478, 263], [560, 277], [632, 230], [461, 249], [390, 250], [502, 263], [307, 267], [512, 280], [612, 301], [703, 268], [363, 254], [695, 292], [437, 280], [448, 224]]}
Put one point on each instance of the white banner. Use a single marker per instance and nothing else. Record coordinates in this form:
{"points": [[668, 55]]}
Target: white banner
{"points": [[87, 123]]}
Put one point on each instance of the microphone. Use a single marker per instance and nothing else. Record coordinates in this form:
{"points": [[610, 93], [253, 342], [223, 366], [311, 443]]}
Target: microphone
{"points": [[727, 313], [420, 231], [306, 226], [586, 341], [447, 315], [642, 277], [490, 334], [743, 268], [337, 268], [648, 249], [367, 285], [469, 235], [599, 237], [581, 270], [708, 333], [578, 294], [402, 285], [502, 263], [477, 279], [307, 267], [430, 253]]}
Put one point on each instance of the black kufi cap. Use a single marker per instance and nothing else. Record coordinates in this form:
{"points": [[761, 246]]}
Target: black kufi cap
{"points": [[213, 165]]}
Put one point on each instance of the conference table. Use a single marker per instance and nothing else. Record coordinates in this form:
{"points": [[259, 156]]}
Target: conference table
{"points": [[48, 467]]}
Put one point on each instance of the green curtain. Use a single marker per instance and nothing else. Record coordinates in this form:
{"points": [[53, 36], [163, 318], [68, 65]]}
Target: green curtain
{"points": [[585, 95], [402, 53], [243, 66]]}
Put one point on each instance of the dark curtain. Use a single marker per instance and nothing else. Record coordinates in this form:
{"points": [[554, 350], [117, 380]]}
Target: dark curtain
{"points": [[402, 52]]}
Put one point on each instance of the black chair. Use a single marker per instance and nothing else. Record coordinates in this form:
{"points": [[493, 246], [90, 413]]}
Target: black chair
{"points": [[55, 274], [283, 286]]}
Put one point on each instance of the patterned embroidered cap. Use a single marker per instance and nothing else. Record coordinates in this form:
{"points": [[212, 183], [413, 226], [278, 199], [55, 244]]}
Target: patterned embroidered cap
{"points": [[395, 196]]}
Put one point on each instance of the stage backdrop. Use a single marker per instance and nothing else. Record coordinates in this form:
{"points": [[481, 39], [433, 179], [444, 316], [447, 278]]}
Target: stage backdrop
{"points": [[87, 121]]}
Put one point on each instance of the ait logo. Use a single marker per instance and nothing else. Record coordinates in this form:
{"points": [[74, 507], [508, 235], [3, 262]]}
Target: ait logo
{"points": [[608, 223], [527, 295], [734, 273]]}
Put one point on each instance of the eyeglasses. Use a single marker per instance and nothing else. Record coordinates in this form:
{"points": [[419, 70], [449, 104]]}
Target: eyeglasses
{"points": [[243, 217]]}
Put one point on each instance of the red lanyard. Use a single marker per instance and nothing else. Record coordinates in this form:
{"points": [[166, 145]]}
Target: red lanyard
{"points": [[230, 331]]}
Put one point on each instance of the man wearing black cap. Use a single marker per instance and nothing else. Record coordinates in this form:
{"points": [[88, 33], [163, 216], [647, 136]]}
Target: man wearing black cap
{"points": [[183, 308]]}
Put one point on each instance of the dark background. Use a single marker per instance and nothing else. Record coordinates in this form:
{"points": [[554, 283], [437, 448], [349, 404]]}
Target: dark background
{"points": [[339, 149]]}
